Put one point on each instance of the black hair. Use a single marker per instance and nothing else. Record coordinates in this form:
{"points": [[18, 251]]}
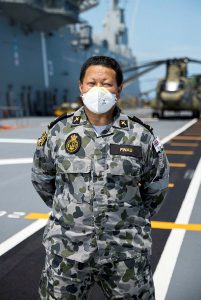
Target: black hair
{"points": [[104, 61]]}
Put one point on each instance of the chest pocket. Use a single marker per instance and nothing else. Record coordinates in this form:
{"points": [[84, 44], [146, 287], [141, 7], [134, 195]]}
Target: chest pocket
{"points": [[73, 178], [124, 166], [73, 165]]}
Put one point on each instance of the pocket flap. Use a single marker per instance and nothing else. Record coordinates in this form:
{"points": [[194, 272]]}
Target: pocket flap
{"points": [[73, 165]]}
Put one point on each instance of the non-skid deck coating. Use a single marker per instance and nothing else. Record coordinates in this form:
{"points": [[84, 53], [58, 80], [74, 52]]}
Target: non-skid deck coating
{"points": [[20, 267]]}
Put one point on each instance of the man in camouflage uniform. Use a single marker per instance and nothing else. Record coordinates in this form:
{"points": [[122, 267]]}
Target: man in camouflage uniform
{"points": [[103, 187]]}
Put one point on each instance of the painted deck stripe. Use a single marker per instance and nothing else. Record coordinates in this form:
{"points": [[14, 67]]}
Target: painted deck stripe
{"points": [[171, 225], [21, 236], [187, 138], [18, 141], [177, 165], [15, 161], [35, 216], [171, 250], [184, 144], [154, 224], [178, 131], [179, 152]]}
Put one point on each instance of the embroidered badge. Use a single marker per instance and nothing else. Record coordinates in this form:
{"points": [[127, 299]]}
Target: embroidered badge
{"points": [[157, 145], [126, 150], [42, 140], [73, 143], [123, 123], [76, 119]]}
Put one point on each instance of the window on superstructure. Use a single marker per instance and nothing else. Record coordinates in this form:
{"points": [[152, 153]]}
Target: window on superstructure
{"points": [[122, 20], [105, 44]]}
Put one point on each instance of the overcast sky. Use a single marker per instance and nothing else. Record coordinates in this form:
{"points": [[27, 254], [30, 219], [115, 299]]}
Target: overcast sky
{"points": [[158, 29]]}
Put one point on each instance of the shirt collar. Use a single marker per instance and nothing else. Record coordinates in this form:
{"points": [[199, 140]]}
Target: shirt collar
{"points": [[79, 117], [120, 120]]}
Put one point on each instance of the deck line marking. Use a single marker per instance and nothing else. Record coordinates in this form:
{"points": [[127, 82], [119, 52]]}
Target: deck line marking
{"points": [[172, 247], [179, 152], [187, 138], [154, 224], [21, 236], [178, 131], [18, 141], [184, 144], [172, 225], [32, 216], [16, 161], [177, 165]]}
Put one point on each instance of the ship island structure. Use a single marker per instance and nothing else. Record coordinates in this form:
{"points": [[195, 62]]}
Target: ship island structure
{"points": [[43, 44]]}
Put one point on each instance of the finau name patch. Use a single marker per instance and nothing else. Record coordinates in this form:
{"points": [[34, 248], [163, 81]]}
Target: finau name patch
{"points": [[126, 150]]}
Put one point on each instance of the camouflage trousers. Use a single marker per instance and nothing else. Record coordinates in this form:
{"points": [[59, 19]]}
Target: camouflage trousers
{"points": [[64, 279]]}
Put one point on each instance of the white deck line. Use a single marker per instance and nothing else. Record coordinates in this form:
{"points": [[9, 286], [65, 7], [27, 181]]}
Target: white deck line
{"points": [[168, 259], [178, 131], [18, 141], [16, 161], [21, 236]]}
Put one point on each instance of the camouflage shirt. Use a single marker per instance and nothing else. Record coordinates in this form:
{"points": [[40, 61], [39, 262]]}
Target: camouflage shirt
{"points": [[102, 190]]}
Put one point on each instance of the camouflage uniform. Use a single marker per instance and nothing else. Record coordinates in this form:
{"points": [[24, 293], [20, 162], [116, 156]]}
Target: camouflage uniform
{"points": [[103, 191]]}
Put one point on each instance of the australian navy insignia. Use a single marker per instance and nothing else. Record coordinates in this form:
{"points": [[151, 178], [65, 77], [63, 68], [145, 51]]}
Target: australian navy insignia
{"points": [[42, 140], [73, 143]]}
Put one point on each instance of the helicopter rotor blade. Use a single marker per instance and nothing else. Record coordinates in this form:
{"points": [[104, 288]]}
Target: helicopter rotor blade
{"points": [[128, 80], [194, 60], [149, 64]]}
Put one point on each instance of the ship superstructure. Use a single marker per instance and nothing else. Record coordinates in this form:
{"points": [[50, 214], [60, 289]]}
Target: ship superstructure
{"points": [[43, 44]]}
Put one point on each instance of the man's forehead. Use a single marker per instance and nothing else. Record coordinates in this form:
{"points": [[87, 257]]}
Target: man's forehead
{"points": [[99, 70]]}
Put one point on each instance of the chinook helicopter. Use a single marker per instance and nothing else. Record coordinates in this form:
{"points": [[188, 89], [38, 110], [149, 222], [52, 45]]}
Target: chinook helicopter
{"points": [[176, 92]]}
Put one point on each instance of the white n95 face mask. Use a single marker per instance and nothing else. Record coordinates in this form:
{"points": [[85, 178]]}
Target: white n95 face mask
{"points": [[99, 100]]}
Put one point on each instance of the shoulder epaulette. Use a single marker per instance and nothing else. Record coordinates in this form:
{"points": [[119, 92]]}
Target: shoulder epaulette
{"points": [[60, 118], [133, 118]]}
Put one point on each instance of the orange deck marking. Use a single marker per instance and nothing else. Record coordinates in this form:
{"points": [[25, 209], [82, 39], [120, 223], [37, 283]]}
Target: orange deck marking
{"points": [[154, 224], [177, 165], [36, 216], [185, 144], [171, 225], [179, 152], [187, 138]]}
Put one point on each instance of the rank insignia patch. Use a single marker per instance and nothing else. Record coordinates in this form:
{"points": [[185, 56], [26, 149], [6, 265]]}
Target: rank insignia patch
{"points": [[123, 123], [76, 119], [42, 140], [73, 143]]}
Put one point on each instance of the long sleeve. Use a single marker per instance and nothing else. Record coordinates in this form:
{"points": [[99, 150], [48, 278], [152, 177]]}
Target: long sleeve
{"points": [[155, 179], [43, 173]]}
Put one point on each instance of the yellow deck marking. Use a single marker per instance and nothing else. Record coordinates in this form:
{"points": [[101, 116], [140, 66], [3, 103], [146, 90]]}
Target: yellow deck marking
{"points": [[34, 216], [171, 185], [188, 138], [154, 224], [177, 165], [179, 152], [185, 144], [171, 225]]}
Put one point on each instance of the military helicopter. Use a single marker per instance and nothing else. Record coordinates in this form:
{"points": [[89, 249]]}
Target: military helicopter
{"points": [[176, 91]]}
